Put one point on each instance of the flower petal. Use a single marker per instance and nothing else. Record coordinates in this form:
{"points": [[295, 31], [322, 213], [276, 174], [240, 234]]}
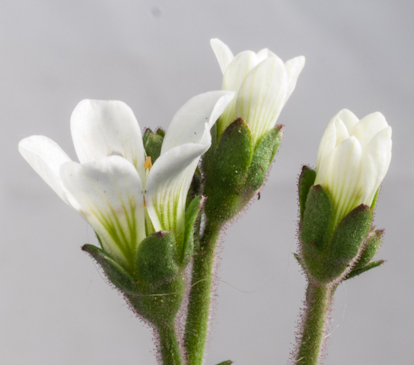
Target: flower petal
{"points": [[46, 157], [167, 187], [223, 53], [349, 119], [345, 181], [293, 69], [192, 122], [375, 163], [109, 195], [369, 126], [104, 128], [262, 95]]}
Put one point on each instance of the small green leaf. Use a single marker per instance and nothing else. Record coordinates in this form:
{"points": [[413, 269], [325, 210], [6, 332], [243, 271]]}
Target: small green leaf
{"points": [[359, 271], [226, 176], [370, 249], [233, 156], [115, 273], [317, 219], [228, 362], [190, 218], [347, 240], [157, 258], [306, 180], [263, 157]]}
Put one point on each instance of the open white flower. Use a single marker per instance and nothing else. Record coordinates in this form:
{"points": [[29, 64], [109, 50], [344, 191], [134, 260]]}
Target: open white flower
{"points": [[110, 187], [353, 159], [263, 85]]}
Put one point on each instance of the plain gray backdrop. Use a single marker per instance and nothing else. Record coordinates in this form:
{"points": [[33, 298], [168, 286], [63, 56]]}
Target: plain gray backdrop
{"points": [[55, 307]]}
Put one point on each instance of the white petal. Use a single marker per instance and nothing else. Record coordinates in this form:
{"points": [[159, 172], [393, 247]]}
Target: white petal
{"points": [[105, 128], [369, 126], [232, 80], [345, 182], [109, 195], [349, 119], [222, 52], [46, 157], [262, 96], [293, 69], [167, 187], [263, 54], [192, 122], [326, 146], [375, 163]]}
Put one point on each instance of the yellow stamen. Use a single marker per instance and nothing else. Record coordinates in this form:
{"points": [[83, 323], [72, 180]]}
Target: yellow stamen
{"points": [[148, 163]]}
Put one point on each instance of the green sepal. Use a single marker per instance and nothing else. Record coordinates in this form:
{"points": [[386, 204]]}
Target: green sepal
{"points": [[370, 248], [190, 217], [152, 145], [317, 220], [263, 157], [347, 240], [374, 201], [115, 273], [359, 271], [306, 180], [227, 362], [156, 260], [226, 176], [233, 156]]}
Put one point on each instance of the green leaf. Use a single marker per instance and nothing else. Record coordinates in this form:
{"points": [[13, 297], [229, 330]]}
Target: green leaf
{"points": [[115, 273], [227, 362], [263, 157], [190, 218], [233, 156], [317, 219], [370, 249], [306, 180], [157, 259], [347, 240], [359, 271], [226, 176]]}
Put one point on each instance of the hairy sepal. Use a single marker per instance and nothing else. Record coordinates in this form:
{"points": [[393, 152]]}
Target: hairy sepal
{"points": [[306, 180]]}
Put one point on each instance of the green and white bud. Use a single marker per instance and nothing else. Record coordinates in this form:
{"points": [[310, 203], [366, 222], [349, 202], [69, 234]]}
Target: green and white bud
{"points": [[337, 200], [263, 85], [353, 159]]}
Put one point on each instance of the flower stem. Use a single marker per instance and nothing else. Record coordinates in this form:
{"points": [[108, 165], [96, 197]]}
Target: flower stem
{"points": [[170, 349], [200, 295], [318, 299]]}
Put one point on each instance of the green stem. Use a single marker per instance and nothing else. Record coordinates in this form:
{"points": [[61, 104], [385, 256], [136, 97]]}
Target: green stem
{"points": [[200, 295], [170, 350], [318, 299]]}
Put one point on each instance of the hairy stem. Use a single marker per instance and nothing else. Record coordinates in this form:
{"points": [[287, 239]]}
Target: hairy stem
{"points": [[200, 295], [170, 349], [318, 299]]}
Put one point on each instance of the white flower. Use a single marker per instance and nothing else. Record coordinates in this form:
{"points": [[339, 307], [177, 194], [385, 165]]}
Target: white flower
{"points": [[263, 85], [110, 187], [353, 159]]}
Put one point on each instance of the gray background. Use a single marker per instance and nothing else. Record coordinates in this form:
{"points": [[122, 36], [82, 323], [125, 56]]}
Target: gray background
{"points": [[154, 55]]}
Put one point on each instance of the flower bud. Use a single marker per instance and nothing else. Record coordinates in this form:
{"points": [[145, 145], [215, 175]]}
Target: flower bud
{"points": [[353, 159], [263, 84]]}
